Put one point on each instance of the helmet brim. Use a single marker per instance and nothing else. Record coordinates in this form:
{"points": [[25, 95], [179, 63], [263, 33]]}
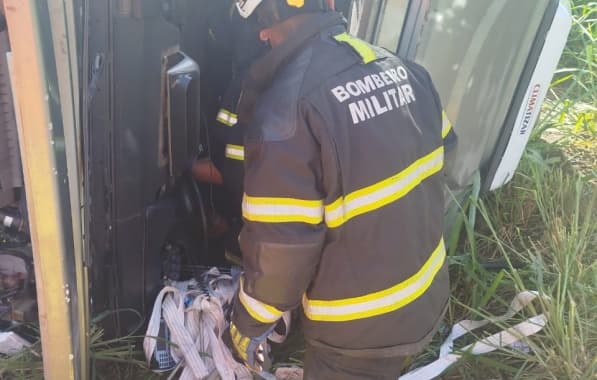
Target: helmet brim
{"points": [[247, 7]]}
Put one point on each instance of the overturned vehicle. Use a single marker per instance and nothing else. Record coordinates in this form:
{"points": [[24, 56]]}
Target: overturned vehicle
{"points": [[106, 104]]}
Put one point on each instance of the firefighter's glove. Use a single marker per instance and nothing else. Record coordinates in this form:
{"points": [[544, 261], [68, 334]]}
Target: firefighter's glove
{"points": [[251, 351]]}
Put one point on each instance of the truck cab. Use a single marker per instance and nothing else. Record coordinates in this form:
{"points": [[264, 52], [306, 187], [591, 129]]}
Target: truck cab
{"points": [[112, 99]]}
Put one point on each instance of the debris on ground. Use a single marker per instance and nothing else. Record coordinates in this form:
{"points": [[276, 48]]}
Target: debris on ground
{"points": [[12, 344], [289, 373]]}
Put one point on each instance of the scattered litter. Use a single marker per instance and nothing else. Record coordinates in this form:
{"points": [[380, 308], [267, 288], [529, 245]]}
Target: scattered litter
{"points": [[521, 347], [11, 265], [289, 373], [11, 343], [266, 376], [449, 355]]}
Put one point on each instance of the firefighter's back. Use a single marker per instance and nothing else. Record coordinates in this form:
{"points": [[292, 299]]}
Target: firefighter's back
{"points": [[382, 279]]}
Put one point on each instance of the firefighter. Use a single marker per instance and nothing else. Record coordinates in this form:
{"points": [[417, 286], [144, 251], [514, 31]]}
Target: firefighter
{"points": [[343, 203], [224, 166]]}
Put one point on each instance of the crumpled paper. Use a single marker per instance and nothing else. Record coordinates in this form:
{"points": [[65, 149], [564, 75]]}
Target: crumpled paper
{"points": [[11, 343], [289, 373]]}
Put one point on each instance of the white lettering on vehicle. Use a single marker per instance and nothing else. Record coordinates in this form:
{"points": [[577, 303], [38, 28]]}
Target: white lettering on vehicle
{"points": [[530, 109]]}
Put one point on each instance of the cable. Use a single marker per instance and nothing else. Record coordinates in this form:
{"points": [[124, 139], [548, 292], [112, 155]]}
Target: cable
{"points": [[203, 216], [102, 316], [208, 142]]}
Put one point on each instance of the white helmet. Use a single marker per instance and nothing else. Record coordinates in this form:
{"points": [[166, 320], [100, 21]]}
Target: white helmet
{"points": [[247, 7]]}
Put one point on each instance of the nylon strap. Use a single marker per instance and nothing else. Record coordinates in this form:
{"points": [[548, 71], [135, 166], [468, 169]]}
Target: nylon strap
{"points": [[196, 332], [504, 338]]}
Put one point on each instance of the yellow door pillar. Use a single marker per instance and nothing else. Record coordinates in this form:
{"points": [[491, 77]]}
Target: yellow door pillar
{"points": [[46, 138]]}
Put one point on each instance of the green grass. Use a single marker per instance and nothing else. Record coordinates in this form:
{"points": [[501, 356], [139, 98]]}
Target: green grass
{"points": [[539, 233], [111, 358], [570, 113], [25, 365]]}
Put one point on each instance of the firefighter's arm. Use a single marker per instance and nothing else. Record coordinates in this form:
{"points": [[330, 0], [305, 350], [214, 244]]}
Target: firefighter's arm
{"points": [[449, 137], [283, 235], [204, 170]]}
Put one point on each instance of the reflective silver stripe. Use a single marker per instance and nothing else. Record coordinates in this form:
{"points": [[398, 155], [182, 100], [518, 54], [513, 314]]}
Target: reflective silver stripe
{"points": [[233, 118], [222, 117], [380, 302], [260, 311], [226, 117], [282, 210], [235, 152], [384, 192]]}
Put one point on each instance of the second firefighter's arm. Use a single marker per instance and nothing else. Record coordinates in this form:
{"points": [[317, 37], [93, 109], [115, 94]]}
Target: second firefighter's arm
{"points": [[284, 233]]}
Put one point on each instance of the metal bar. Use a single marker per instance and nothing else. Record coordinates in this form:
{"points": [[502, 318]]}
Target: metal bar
{"points": [[411, 31], [64, 37], [44, 160]]}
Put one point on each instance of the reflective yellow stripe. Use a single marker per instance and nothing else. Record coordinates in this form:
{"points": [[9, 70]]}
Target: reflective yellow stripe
{"points": [[380, 302], [226, 117], [260, 311], [241, 343], [385, 192], [446, 125], [282, 210], [235, 152], [223, 118], [361, 47], [233, 118]]}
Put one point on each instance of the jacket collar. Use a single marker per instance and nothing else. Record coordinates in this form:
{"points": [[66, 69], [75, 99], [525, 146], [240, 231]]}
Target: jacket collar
{"points": [[264, 69]]}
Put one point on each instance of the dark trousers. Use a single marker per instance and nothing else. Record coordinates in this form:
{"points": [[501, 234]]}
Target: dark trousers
{"points": [[323, 364]]}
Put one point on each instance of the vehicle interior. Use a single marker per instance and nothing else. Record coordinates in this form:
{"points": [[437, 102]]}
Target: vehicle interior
{"points": [[156, 72], [150, 76]]}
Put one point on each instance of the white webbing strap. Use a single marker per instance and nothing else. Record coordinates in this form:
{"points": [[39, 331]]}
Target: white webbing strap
{"points": [[174, 316], [209, 340], [197, 332], [153, 328], [502, 339], [275, 336]]}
